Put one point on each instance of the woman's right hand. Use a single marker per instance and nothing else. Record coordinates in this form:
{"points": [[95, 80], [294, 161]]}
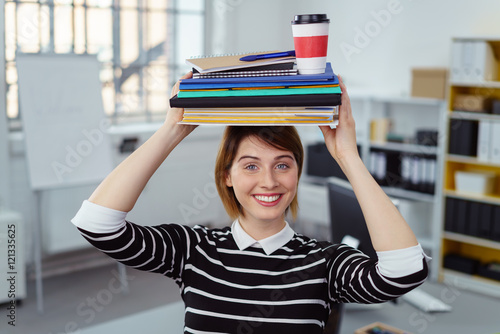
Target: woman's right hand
{"points": [[174, 115], [341, 141]]}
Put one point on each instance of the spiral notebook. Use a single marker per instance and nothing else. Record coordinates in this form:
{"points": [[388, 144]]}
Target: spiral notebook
{"points": [[244, 74], [328, 75], [217, 63]]}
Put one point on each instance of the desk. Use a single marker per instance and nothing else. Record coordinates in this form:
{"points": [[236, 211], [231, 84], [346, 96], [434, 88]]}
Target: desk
{"points": [[471, 314]]}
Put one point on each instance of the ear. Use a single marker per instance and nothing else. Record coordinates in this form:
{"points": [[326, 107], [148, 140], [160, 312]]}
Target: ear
{"points": [[229, 183]]}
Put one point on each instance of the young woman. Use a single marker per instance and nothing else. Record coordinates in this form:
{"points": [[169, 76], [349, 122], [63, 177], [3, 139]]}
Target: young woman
{"points": [[257, 275]]}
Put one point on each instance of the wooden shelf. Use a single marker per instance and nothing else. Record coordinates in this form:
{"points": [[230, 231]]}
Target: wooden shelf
{"points": [[477, 116], [495, 200], [405, 147], [409, 194], [471, 240], [418, 101], [474, 283], [469, 160], [483, 84]]}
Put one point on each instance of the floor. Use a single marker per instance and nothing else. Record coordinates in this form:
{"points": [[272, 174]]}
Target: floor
{"points": [[92, 302], [90, 297]]}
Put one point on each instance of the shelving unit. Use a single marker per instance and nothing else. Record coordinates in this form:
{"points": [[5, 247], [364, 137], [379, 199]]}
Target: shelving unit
{"points": [[483, 248], [402, 147], [408, 114]]}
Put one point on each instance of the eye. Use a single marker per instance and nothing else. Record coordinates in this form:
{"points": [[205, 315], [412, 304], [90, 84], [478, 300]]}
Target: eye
{"points": [[282, 166], [251, 167]]}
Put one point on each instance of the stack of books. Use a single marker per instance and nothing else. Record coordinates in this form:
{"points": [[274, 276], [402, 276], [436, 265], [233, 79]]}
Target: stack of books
{"points": [[225, 90]]}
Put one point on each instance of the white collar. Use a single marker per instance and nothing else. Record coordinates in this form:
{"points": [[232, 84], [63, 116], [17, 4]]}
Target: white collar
{"points": [[269, 244]]}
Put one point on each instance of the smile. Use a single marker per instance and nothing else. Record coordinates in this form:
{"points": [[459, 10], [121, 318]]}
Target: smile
{"points": [[267, 199]]}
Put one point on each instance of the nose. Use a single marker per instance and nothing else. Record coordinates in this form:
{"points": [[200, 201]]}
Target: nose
{"points": [[269, 179]]}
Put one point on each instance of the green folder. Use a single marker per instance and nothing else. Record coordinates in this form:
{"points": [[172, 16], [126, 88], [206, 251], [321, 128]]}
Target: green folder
{"points": [[259, 92]]}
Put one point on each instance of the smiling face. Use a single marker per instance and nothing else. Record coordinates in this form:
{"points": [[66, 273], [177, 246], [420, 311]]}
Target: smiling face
{"points": [[264, 180]]}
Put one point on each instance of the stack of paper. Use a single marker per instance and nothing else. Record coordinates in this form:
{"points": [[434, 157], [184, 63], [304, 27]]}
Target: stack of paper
{"points": [[269, 116], [269, 99]]}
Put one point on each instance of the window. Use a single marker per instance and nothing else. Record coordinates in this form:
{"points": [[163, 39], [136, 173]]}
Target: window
{"points": [[141, 45]]}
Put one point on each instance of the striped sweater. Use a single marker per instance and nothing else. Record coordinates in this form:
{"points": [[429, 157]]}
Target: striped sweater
{"points": [[228, 290]]}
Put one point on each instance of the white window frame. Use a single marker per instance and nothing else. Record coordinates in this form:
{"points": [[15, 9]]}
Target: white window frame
{"points": [[174, 66]]}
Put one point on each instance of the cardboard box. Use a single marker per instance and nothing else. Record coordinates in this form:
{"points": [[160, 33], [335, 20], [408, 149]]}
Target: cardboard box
{"points": [[429, 82], [481, 183], [469, 102], [368, 329]]}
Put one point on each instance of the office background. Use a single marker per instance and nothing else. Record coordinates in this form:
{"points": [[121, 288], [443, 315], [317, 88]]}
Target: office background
{"points": [[372, 44]]}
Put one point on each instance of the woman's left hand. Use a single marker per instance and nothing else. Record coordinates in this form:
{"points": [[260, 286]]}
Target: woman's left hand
{"points": [[341, 141], [175, 115]]}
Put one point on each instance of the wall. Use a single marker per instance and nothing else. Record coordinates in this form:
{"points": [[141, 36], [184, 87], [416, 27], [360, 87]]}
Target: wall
{"points": [[367, 46], [258, 25]]}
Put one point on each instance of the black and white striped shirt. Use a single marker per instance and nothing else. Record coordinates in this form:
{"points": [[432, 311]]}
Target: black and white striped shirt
{"points": [[231, 290]]}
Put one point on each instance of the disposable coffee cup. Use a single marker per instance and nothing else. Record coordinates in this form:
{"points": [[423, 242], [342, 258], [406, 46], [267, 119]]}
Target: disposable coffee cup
{"points": [[310, 37]]}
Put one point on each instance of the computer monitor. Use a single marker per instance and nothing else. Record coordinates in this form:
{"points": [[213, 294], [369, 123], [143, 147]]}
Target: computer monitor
{"points": [[346, 217]]}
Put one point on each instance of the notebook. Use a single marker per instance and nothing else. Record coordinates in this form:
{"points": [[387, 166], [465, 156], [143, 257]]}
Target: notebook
{"points": [[257, 101], [239, 74], [321, 110], [271, 117], [328, 75], [236, 85], [257, 92], [208, 64]]}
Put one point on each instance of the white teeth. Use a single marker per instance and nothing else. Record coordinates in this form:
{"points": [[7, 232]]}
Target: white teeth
{"points": [[267, 198]]}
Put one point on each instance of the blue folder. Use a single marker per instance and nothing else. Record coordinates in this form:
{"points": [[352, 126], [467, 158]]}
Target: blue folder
{"points": [[275, 80]]}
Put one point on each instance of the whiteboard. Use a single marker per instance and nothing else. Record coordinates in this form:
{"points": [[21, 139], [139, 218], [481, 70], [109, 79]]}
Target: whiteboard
{"points": [[64, 123]]}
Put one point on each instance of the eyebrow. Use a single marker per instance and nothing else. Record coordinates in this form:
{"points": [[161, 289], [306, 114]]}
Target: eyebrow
{"points": [[257, 158]]}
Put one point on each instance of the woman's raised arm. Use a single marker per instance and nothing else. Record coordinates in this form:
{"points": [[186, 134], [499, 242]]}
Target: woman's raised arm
{"points": [[388, 229], [122, 187]]}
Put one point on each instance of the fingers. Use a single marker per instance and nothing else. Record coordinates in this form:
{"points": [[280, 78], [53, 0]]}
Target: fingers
{"points": [[328, 133], [188, 75], [325, 129], [346, 101], [341, 83], [345, 111], [175, 89]]}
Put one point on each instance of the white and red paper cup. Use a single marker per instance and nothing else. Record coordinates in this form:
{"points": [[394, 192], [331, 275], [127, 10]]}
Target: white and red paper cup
{"points": [[310, 37]]}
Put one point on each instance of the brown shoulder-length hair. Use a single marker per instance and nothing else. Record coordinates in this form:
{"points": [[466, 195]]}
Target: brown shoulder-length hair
{"points": [[280, 137]]}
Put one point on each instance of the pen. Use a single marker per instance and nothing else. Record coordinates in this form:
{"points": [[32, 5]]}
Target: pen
{"points": [[268, 55]]}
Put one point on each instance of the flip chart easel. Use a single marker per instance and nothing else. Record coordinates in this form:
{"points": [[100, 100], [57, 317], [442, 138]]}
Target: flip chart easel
{"points": [[64, 127]]}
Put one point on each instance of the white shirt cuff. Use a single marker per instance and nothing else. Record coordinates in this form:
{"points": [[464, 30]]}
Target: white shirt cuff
{"points": [[99, 219], [401, 262]]}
